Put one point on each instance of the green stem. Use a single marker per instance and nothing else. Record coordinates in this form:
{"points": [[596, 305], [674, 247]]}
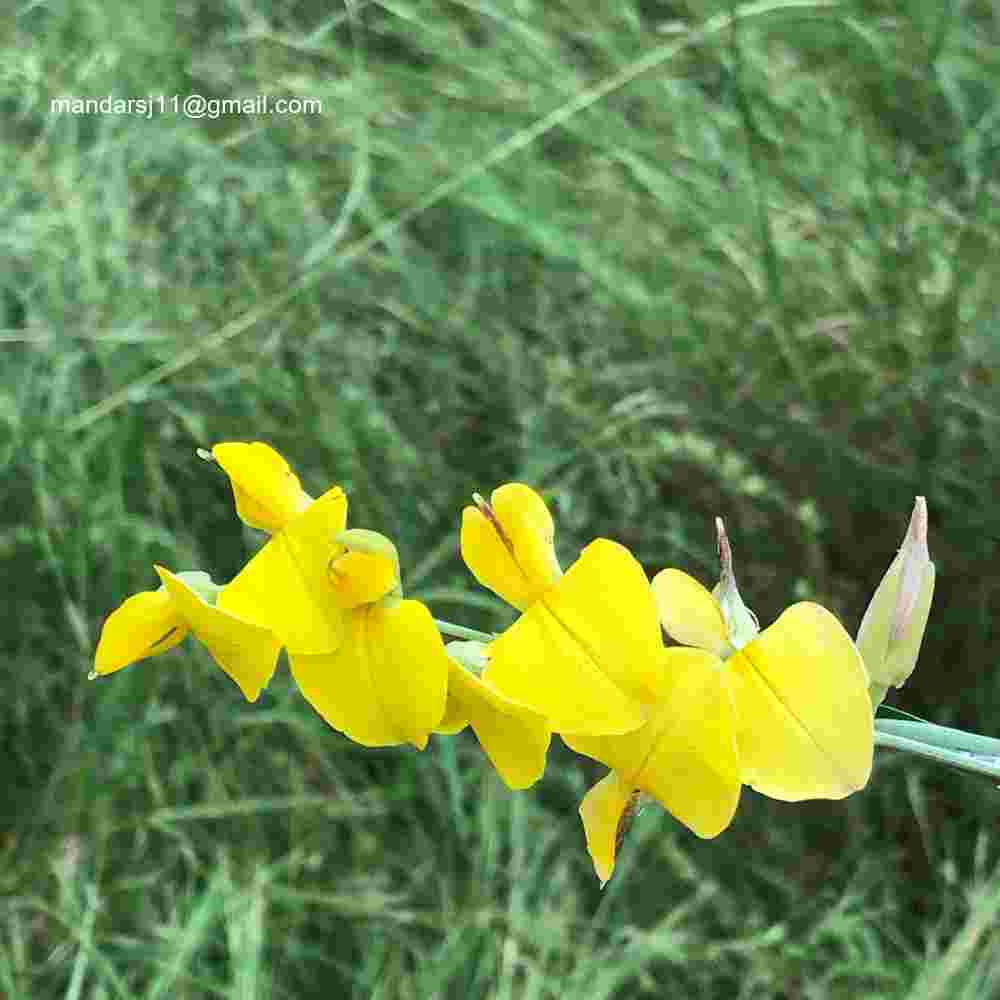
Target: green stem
{"points": [[461, 632], [963, 760], [943, 737]]}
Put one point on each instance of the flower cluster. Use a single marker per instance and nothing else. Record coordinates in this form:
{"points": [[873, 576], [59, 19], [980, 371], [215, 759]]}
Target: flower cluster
{"points": [[787, 710]]}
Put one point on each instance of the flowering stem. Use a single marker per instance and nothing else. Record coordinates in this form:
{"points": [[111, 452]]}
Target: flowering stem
{"points": [[461, 632]]}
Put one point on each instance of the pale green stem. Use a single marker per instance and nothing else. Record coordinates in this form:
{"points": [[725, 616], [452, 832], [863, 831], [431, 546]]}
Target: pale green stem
{"points": [[944, 737], [461, 632], [951, 747]]}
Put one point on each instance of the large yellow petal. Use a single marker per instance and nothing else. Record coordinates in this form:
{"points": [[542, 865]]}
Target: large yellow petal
{"points": [[689, 612], [267, 493], [685, 756], [693, 766], [515, 557], [339, 685], [603, 810], [246, 651], [803, 711], [586, 654], [413, 667], [143, 625], [387, 683], [286, 586], [514, 737]]}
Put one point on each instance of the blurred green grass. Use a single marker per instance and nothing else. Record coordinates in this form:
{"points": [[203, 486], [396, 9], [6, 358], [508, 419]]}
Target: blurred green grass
{"points": [[757, 281]]}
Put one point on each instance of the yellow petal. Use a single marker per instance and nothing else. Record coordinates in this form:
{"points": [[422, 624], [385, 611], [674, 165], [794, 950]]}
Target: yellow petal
{"points": [[286, 586], [514, 555], [603, 810], [245, 651], [362, 578], [144, 625], [685, 756], [473, 657], [387, 682], [803, 711], [689, 612], [514, 737], [267, 493], [455, 717], [586, 654]]}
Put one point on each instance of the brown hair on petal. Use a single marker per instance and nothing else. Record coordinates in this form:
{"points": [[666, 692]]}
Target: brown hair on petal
{"points": [[491, 515]]}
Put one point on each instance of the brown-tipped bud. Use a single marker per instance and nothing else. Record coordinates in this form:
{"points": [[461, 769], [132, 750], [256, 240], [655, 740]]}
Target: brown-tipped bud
{"points": [[741, 622], [892, 628]]}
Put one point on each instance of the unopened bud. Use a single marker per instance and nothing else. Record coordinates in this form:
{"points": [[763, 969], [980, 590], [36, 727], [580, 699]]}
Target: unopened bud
{"points": [[893, 624], [741, 623]]}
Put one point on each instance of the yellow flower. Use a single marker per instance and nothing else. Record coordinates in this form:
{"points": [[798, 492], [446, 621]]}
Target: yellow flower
{"points": [[892, 628], [584, 653], [154, 621], [286, 585], [372, 665], [685, 756], [267, 493], [386, 682], [800, 688], [784, 710], [514, 737]]}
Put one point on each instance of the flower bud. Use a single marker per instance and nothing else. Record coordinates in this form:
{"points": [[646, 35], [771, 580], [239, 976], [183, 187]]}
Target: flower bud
{"points": [[893, 624], [741, 623]]}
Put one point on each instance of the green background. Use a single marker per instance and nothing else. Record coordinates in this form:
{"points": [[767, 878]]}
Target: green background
{"points": [[757, 280]]}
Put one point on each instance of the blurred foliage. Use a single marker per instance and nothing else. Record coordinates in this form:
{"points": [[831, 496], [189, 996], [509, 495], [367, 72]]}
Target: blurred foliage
{"points": [[758, 280]]}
